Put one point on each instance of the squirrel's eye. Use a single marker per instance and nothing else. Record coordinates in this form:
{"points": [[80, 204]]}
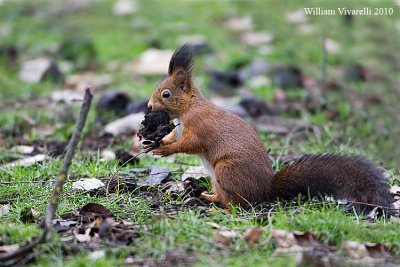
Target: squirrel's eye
{"points": [[166, 93]]}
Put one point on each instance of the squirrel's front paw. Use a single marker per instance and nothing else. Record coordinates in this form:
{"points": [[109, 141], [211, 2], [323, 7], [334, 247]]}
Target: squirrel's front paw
{"points": [[163, 151]]}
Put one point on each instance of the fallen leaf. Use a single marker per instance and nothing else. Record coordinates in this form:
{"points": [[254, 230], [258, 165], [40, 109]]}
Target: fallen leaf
{"points": [[378, 250], [225, 237], [4, 209], [157, 174], [365, 250], [87, 184], [395, 190], [172, 187], [96, 255], [83, 238], [62, 225], [306, 239], [23, 149], [35, 70], [214, 225], [395, 208], [9, 248], [96, 210], [356, 250], [195, 172], [284, 239], [125, 125], [26, 161], [252, 235]]}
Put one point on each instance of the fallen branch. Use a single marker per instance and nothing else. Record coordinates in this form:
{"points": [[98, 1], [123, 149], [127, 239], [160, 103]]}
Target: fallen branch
{"points": [[24, 251], [62, 176]]}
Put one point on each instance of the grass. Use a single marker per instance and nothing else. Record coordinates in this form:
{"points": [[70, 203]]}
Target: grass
{"points": [[371, 130]]}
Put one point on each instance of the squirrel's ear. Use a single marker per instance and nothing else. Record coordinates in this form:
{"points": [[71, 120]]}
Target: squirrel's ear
{"points": [[181, 64], [180, 78]]}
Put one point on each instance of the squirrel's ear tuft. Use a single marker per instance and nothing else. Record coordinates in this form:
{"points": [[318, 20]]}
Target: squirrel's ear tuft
{"points": [[182, 60]]}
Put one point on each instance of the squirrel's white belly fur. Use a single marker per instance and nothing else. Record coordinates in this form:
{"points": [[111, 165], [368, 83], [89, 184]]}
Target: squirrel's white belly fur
{"points": [[206, 164]]}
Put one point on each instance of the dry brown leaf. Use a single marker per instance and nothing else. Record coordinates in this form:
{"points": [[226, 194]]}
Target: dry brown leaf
{"points": [[367, 250], [284, 239], [306, 239], [95, 209], [378, 250], [252, 235], [356, 250], [224, 237]]}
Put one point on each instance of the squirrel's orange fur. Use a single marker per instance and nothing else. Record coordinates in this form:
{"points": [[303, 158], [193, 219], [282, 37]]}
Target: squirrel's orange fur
{"points": [[237, 160]]}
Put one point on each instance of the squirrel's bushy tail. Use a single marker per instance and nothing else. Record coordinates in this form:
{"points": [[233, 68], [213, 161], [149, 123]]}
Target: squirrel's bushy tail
{"points": [[354, 178]]}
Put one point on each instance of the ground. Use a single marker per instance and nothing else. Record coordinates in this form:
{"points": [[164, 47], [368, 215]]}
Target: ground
{"points": [[351, 115]]}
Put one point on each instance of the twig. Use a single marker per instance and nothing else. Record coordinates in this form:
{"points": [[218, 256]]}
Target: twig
{"points": [[9, 259], [62, 176]]}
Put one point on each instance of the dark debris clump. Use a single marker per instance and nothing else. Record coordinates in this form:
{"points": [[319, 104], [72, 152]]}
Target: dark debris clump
{"points": [[156, 126]]}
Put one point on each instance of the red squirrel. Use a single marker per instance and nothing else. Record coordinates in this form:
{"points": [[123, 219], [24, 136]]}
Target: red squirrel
{"points": [[237, 160]]}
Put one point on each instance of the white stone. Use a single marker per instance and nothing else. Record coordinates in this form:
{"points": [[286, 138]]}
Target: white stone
{"points": [[196, 172], [125, 125], [66, 96], [240, 24], [26, 161], [124, 7], [87, 184], [151, 62], [257, 38], [33, 71]]}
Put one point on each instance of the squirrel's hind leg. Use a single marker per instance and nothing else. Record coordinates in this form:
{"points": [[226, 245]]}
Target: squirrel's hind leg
{"points": [[216, 196]]}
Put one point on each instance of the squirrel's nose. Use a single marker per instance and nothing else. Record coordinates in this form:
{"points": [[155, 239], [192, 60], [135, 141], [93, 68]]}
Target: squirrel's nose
{"points": [[150, 105]]}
